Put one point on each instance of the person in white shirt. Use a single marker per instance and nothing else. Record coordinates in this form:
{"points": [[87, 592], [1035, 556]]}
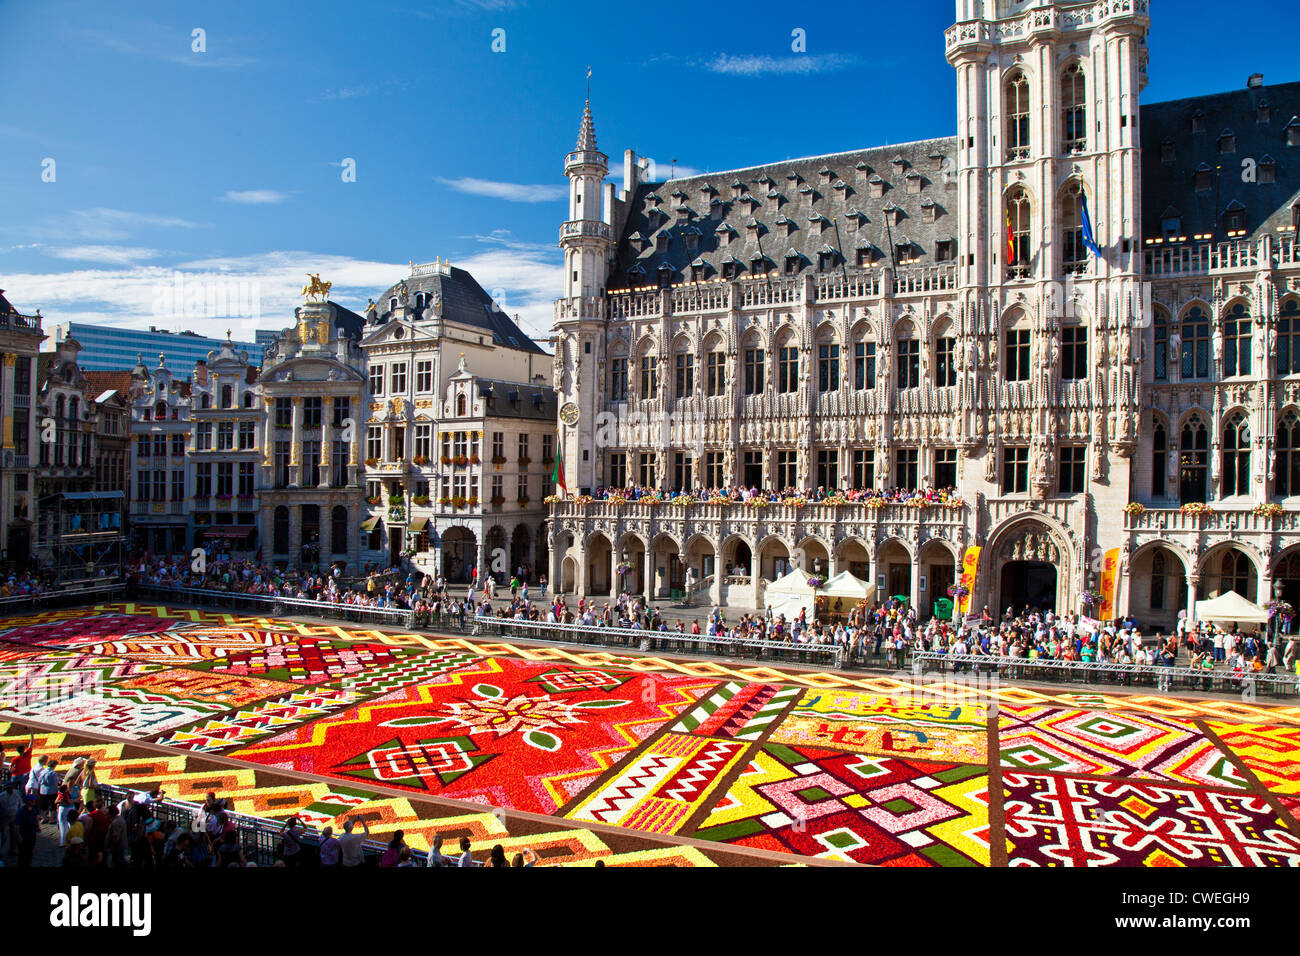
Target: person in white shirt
{"points": [[466, 858]]}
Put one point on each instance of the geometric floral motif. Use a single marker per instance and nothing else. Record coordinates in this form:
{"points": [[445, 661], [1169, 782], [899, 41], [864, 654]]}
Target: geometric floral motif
{"points": [[546, 747], [1078, 821], [219, 690], [86, 629], [1106, 743], [1271, 753], [850, 807], [742, 711], [658, 790], [869, 723], [308, 661], [261, 720]]}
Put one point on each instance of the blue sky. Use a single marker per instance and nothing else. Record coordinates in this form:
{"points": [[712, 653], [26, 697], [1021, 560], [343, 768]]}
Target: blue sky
{"points": [[225, 164]]}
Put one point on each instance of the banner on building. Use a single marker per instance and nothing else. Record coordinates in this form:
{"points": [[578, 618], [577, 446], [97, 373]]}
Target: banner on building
{"points": [[969, 564], [1109, 584]]}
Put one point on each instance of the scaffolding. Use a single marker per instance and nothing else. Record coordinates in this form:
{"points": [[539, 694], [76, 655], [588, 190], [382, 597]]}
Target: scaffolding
{"points": [[84, 535]]}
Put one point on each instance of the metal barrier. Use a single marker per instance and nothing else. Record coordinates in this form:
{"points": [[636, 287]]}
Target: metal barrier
{"points": [[1160, 677], [260, 839], [787, 651], [276, 606], [74, 594]]}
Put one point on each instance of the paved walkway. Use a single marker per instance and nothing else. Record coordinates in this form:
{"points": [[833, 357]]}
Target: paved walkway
{"points": [[48, 852]]}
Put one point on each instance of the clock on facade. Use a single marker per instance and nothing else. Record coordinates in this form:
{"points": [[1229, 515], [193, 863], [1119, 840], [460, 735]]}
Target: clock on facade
{"points": [[569, 413]]}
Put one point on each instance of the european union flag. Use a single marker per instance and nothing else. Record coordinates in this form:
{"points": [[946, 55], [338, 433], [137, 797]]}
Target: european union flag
{"points": [[1089, 241]]}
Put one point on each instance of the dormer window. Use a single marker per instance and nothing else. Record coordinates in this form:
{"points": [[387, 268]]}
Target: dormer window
{"points": [[758, 264], [876, 185], [793, 177], [903, 251], [1168, 151], [730, 268], [825, 175], [945, 250], [1198, 121], [662, 241], [893, 213], [665, 273], [914, 182], [724, 232], [783, 222], [684, 213], [851, 220], [866, 254], [679, 196], [826, 259], [1227, 142], [1171, 225], [1267, 170], [1263, 114], [936, 162], [862, 169], [737, 188], [1291, 135], [929, 211], [419, 302], [807, 194], [1234, 217], [692, 239], [839, 185], [792, 262], [392, 303], [698, 270], [1204, 178]]}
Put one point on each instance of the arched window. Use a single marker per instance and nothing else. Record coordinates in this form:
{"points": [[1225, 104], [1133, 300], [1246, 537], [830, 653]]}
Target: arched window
{"points": [[1017, 251], [205, 401], [227, 396], [1288, 338], [1193, 460], [1161, 342], [716, 370], [1236, 456], [1196, 343], [1074, 113], [461, 405], [1074, 255], [280, 535], [787, 364], [1235, 574], [755, 358], [909, 357], [74, 409], [1017, 110], [392, 303], [248, 399], [339, 530], [1159, 459], [1236, 341], [1286, 468], [160, 411]]}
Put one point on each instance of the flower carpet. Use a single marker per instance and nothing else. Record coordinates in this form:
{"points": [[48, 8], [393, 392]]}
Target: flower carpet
{"points": [[584, 754]]}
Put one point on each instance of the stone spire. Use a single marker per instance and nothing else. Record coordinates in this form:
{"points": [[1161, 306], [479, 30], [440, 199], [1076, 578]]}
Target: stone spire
{"points": [[587, 134]]}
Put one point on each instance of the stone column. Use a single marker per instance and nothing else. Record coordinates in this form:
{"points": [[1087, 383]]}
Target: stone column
{"points": [[915, 595], [295, 444], [614, 580], [1192, 581], [326, 447], [719, 571], [295, 535], [483, 569]]}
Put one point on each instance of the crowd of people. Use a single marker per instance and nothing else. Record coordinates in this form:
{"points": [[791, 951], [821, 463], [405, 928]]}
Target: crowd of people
{"points": [[96, 832], [927, 496]]}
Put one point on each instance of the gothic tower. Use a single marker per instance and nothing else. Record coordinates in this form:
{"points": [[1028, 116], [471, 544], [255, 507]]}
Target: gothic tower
{"points": [[1047, 126], [586, 239]]}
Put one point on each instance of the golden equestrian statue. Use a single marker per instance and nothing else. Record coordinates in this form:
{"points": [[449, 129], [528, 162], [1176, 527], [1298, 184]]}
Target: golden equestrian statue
{"points": [[315, 290]]}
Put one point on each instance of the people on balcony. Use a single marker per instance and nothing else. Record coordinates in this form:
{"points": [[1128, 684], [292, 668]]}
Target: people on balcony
{"points": [[739, 494]]}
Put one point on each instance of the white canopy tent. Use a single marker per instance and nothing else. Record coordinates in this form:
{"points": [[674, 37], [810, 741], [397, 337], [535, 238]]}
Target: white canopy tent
{"points": [[789, 595], [1231, 606], [845, 585]]}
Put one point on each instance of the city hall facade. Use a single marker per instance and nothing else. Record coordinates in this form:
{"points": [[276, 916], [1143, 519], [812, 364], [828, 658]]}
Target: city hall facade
{"points": [[938, 313]]}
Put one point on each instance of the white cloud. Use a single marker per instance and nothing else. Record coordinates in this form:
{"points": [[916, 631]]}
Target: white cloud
{"points": [[511, 192], [660, 171], [803, 63], [109, 255], [101, 224], [255, 196], [165, 45], [525, 277]]}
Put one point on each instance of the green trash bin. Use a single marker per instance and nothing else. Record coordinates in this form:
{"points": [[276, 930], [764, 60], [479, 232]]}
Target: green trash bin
{"points": [[907, 601], [943, 609]]}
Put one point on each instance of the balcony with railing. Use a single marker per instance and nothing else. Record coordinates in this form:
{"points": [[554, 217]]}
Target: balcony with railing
{"points": [[1214, 518], [1201, 258], [16, 321], [792, 519]]}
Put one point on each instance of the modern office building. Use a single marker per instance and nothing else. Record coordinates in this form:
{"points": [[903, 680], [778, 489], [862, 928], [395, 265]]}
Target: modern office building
{"points": [[113, 348]]}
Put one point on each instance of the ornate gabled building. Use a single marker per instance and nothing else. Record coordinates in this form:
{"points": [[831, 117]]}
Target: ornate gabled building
{"points": [[938, 314], [80, 528], [20, 340], [460, 429], [160, 506], [224, 458], [313, 389]]}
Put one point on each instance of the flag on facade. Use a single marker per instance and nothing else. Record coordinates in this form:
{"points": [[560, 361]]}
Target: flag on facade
{"points": [[1011, 240], [557, 476], [1089, 240]]}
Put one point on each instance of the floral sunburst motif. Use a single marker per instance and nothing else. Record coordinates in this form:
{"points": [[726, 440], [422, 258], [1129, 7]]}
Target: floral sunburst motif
{"points": [[501, 715]]}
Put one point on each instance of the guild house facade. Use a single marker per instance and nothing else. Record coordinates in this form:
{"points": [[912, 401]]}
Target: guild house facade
{"points": [[1081, 311]]}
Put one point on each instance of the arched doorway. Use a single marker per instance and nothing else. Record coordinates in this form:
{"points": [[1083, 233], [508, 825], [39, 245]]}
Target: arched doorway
{"points": [[1158, 579], [1027, 569], [599, 557], [459, 554], [1230, 569], [497, 558], [895, 567], [938, 563], [568, 576], [739, 559], [519, 542]]}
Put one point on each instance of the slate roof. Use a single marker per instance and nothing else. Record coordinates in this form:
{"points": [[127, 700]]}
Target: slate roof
{"points": [[1169, 182], [463, 302], [517, 400], [788, 209]]}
